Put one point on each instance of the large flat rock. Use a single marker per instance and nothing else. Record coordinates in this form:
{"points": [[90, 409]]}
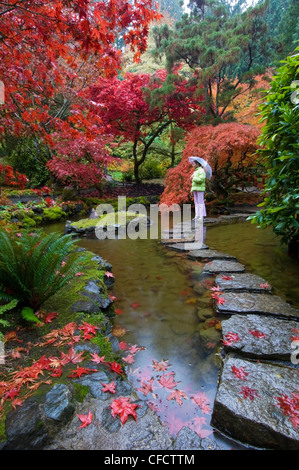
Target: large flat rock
{"points": [[242, 282], [209, 255], [223, 266], [185, 246], [250, 303], [260, 337], [247, 408]]}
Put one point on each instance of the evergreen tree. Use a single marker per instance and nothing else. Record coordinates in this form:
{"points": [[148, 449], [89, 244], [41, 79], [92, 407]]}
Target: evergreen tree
{"points": [[222, 48]]}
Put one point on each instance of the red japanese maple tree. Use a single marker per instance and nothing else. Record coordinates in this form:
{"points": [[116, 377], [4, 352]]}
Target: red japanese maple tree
{"points": [[228, 148], [45, 46], [138, 107]]}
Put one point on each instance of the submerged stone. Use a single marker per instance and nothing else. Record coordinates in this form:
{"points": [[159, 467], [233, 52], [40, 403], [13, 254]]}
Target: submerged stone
{"points": [[242, 282], [247, 408], [210, 255], [260, 336], [250, 303], [223, 266]]}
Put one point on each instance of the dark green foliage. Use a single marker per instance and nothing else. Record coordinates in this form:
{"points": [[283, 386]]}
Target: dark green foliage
{"points": [[224, 49], [280, 139], [35, 266]]}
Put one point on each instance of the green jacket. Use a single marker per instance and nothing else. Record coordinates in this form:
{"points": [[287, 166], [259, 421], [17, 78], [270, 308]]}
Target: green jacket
{"points": [[199, 180]]}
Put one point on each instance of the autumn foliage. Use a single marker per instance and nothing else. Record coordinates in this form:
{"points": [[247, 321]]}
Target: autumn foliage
{"points": [[11, 177], [50, 51], [229, 149]]}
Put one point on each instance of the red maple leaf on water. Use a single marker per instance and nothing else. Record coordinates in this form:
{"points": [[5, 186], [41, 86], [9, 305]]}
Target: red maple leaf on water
{"points": [[123, 408], [167, 383], [239, 372], [290, 407], [202, 400], [160, 366], [248, 392], [85, 419], [177, 395], [146, 388]]}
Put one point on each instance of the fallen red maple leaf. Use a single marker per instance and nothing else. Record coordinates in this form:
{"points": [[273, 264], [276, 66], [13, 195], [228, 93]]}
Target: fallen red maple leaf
{"points": [[98, 359], [146, 388], [71, 356], [231, 338], [168, 383], [290, 407], [123, 408], [239, 372], [85, 419], [248, 392], [109, 274], [109, 387], [177, 395], [88, 330], [202, 400], [160, 366], [50, 317], [135, 305], [115, 367], [81, 371], [257, 334]]}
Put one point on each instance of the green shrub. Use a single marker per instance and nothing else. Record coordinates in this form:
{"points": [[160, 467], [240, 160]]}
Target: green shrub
{"points": [[35, 266]]}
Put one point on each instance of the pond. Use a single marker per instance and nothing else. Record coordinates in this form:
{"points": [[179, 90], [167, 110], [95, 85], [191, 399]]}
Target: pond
{"points": [[164, 307]]}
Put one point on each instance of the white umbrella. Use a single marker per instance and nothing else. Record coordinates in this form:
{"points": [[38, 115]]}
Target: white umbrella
{"points": [[205, 165]]}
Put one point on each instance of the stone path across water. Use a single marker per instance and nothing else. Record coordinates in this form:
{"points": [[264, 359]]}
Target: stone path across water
{"points": [[257, 401]]}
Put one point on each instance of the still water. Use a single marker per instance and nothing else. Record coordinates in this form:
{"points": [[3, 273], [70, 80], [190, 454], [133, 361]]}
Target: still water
{"points": [[164, 307]]}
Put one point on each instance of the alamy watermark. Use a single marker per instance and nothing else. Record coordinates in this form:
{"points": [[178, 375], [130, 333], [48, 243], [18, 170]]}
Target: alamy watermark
{"points": [[2, 357], [2, 93], [295, 94], [295, 353], [159, 221]]}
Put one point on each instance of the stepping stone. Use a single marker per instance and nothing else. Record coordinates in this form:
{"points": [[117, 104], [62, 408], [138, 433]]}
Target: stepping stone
{"points": [[249, 303], [247, 408], [185, 246], [243, 282], [223, 266], [210, 255], [171, 241], [261, 337]]}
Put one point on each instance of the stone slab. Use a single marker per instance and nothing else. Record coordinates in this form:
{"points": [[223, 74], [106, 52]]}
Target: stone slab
{"points": [[210, 255], [185, 246], [246, 409], [250, 303], [261, 337], [243, 282], [223, 266]]}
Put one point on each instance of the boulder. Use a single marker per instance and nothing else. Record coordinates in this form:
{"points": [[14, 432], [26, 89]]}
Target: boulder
{"points": [[248, 404], [250, 303]]}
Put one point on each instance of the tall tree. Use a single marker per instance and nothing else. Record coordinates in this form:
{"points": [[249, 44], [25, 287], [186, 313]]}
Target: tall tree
{"points": [[226, 50], [44, 46]]}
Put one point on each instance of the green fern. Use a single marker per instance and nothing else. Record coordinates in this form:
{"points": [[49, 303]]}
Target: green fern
{"points": [[4, 308], [35, 266]]}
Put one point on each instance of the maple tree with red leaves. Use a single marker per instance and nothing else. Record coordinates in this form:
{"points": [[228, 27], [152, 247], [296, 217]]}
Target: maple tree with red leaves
{"points": [[228, 148], [50, 51], [138, 107]]}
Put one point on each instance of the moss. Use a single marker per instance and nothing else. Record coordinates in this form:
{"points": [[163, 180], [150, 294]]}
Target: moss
{"points": [[54, 213], [2, 429], [80, 392], [109, 219], [27, 222]]}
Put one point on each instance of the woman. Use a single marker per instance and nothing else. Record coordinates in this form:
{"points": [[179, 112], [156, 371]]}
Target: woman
{"points": [[202, 170]]}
